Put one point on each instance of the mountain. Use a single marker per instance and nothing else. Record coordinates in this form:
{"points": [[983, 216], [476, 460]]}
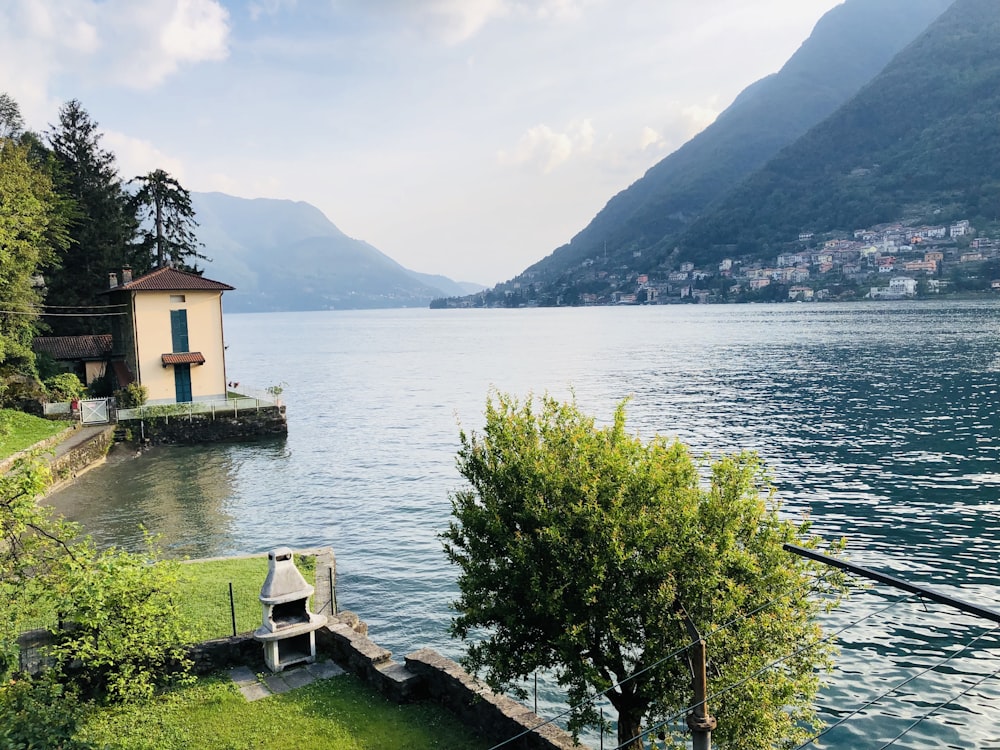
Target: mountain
{"points": [[847, 48], [918, 143], [286, 255]]}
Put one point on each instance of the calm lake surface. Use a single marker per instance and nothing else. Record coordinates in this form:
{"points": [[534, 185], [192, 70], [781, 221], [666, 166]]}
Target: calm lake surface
{"points": [[881, 421]]}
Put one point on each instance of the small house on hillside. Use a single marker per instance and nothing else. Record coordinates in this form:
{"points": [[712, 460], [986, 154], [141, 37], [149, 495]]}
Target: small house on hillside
{"points": [[170, 338], [87, 356]]}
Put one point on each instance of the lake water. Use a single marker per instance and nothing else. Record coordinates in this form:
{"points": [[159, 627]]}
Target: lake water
{"points": [[881, 421]]}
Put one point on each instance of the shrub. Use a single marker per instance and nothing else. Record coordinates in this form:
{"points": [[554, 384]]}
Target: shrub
{"points": [[65, 386], [131, 396]]}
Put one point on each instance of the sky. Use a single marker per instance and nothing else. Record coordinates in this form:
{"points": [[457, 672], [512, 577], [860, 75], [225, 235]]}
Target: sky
{"points": [[469, 138]]}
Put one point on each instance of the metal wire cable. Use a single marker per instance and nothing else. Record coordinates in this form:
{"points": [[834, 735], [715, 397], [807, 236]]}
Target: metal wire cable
{"points": [[763, 669], [36, 313], [937, 708], [904, 683], [603, 693]]}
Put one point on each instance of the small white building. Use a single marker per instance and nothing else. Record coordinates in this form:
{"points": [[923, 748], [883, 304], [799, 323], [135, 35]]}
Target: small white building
{"points": [[901, 287]]}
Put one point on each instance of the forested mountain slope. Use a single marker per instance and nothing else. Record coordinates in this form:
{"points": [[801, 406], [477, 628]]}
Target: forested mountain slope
{"points": [[848, 47], [920, 142]]}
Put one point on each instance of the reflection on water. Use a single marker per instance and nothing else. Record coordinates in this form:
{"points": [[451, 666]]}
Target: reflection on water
{"points": [[879, 421]]}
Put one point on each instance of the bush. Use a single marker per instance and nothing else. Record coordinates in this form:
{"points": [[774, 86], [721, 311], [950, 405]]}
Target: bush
{"points": [[131, 396], [39, 712], [65, 386], [100, 387]]}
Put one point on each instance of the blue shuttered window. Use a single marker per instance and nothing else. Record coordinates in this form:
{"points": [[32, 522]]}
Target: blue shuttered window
{"points": [[179, 330]]}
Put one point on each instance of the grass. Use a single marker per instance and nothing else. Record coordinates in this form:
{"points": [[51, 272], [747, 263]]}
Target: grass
{"points": [[19, 431], [204, 595], [341, 713]]}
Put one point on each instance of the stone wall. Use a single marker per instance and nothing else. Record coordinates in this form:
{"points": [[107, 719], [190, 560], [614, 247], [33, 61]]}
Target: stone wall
{"points": [[247, 424], [42, 446], [82, 456], [427, 675]]}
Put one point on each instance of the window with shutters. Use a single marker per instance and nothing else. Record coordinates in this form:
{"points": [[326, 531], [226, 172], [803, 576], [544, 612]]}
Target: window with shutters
{"points": [[179, 330]]}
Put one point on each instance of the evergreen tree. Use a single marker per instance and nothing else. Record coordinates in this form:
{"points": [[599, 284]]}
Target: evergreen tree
{"points": [[103, 226], [171, 238]]}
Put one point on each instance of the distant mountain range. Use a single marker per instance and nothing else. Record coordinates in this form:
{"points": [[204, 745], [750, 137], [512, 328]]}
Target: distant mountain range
{"points": [[286, 255], [639, 229]]}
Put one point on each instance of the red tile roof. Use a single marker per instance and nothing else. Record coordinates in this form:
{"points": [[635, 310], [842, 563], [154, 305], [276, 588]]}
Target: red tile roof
{"points": [[168, 279], [183, 358], [74, 347]]}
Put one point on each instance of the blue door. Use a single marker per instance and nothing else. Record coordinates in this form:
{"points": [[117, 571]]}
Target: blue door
{"points": [[182, 383]]}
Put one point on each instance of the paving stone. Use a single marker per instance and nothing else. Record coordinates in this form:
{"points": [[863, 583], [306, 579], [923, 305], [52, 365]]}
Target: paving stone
{"points": [[243, 676], [298, 678], [277, 684], [255, 692], [324, 670]]}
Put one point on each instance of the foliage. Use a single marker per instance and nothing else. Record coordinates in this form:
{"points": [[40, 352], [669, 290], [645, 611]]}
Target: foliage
{"points": [[39, 713], [65, 386], [580, 550], [119, 634], [131, 396], [125, 635], [103, 221], [19, 431], [31, 232], [100, 387], [341, 713], [171, 240]]}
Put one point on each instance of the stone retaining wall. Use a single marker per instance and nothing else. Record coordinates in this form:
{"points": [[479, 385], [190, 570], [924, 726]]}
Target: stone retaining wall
{"points": [[247, 424], [427, 675], [82, 456]]}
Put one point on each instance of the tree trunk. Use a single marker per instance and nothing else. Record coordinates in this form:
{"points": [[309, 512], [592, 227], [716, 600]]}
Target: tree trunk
{"points": [[629, 729]]}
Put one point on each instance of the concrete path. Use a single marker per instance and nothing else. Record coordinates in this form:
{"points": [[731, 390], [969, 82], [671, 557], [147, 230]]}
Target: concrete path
{"points": [[79, 437], [254, 689]]}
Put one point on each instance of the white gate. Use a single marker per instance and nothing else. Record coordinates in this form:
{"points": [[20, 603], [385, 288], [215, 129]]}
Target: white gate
{"points": [[95, 411]]}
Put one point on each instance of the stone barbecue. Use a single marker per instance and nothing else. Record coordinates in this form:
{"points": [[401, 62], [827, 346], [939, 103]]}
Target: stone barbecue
{"points": [[289, 629]]}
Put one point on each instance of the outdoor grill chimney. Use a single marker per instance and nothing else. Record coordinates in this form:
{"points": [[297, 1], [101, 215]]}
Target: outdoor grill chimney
{"points": [[112, 280], [289, 629], [126, 275]]}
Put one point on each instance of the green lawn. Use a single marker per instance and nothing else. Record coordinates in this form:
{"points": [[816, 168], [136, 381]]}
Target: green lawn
{"points": [[340, 713], [19, 431], [204, 599]]}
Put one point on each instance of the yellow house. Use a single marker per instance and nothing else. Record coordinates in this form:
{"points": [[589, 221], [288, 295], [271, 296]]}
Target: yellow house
{"points": [[170, 337]]}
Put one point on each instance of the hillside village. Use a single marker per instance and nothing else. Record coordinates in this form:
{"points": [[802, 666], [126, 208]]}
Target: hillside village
{"points": [[891, 261]]}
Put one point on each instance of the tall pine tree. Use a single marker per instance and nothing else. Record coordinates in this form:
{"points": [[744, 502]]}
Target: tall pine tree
{"points": [[104, 224], [170, 236]]}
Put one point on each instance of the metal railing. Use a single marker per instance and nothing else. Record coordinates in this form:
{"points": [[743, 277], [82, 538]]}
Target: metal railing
{"points": [[227, 407]]}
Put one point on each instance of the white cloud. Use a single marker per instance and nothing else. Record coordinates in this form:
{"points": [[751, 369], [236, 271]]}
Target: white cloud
{"points": [[541, 149], [137, 157], [457, 21], [649, 137], [260, 8], [136, 44], [156, 37]]}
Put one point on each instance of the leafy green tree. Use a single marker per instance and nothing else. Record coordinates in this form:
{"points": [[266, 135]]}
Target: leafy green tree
{"points": [[103, 227], [583, 550], [11, 122], [32, 232], [163, 201], [119, 633]]}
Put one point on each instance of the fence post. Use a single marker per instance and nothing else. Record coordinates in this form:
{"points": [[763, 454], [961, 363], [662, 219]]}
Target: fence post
{"points": [[232, 607]]}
